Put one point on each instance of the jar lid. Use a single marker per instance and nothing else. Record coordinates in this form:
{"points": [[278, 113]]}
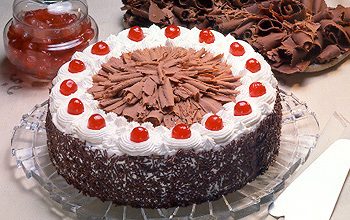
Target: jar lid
{"points": [[78, 8]]}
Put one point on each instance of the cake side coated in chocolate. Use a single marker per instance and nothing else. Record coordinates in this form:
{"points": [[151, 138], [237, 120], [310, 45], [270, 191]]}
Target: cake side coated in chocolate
{"points": [[166, 181]]}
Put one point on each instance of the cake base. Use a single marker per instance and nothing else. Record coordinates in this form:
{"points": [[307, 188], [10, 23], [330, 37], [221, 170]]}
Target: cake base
{"points": [[166, 181]]}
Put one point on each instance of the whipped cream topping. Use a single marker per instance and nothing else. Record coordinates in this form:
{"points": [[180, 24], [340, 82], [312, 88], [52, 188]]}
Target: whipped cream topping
{"points": [[112, 42], [172, 145], [84, 76], [264, 74], [152, 146], [115, 137], [265, 102], [66, 122], [92, 136]]}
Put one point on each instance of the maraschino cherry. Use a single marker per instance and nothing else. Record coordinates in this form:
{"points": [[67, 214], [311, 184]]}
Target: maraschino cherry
{"points": [[181, 131], [75, 107], [236, 49], [100, 48], [257, 89], [214, 123], [206, 36], [96, 122], [253, 65], [76, 66], [139, 134], [242, 108], [172, 31], [68, 87], [136, 34]]}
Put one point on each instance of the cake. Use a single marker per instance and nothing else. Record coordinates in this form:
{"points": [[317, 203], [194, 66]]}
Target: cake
{"points": [[160, 118]]}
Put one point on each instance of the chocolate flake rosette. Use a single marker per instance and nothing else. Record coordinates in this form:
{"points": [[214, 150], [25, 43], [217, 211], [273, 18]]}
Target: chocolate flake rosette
{"points": [[293, 35]]}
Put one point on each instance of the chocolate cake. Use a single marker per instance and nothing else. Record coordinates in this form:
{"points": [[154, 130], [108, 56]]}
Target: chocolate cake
{"points": [[159, 118], [291, 34]]}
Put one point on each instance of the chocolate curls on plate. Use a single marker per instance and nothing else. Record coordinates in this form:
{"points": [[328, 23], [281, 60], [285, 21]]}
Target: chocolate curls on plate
{"points": [[292, 35]]}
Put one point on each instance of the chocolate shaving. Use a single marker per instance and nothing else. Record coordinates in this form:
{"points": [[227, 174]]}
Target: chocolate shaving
{"points": [[265, 24], [328, 54], [179, 85]]}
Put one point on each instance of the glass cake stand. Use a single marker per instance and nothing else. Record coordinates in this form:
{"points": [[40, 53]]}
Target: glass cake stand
{"points": [[300, 132]]}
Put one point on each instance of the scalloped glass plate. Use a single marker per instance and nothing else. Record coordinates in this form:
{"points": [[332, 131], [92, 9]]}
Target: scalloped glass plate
{"points": [[300, 132]]}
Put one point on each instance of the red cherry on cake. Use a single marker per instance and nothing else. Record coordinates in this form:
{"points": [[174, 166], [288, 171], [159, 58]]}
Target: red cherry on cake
{"points": [[100, 48], [257, 89], [242, 108], [181, 131], [68, 87], [76, 66], [206, 36], [139, 134], [136, 34], [172, 31], [96, 122], [214, 123], [236, 49], [75, 107], [253, 65]]}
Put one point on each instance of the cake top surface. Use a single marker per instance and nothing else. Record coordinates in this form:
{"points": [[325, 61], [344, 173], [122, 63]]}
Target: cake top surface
{"points": [[165, 85], [152, 91]]}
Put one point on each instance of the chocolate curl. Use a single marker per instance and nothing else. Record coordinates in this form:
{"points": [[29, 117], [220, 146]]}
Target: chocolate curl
{"points": [[206, 5], [231, 25], [269, 42], [210, 105], [155, 117], [268, 25], [292, 10], [139, 12], [241, 3], [182, 2], [335, 33], [303, 40], [158, 15], [322, 15], [314, 6], [287, 69], [187, 15], [329, 53], [341, 15], [244, 30]]}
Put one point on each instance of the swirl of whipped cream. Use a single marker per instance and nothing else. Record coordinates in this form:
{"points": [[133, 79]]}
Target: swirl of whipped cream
{"points": [[83, 76], [192, 42], [111, 144], [65, 121], [152, 146], [221, 137], [153, 37], [195, 142], [179, 40], [264, 74], [248, 121], [112, 42], [89, 135], [265, 102], [237, 62], [57, 98]]}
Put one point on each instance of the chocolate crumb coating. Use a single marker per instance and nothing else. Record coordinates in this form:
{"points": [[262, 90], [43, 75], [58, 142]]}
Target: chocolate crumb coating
{"points": [[166, 181], [165, 85], [291, 34]]}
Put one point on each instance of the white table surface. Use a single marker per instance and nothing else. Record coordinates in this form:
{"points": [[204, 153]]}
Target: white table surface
{"points": [[20, 198]]}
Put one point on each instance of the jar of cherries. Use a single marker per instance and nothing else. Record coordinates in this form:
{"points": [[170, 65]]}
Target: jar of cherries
{"points": [[44, 34]]}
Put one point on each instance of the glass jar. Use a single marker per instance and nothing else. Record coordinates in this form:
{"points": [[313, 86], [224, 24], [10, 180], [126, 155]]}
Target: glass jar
{"points": [[44, 34]]}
